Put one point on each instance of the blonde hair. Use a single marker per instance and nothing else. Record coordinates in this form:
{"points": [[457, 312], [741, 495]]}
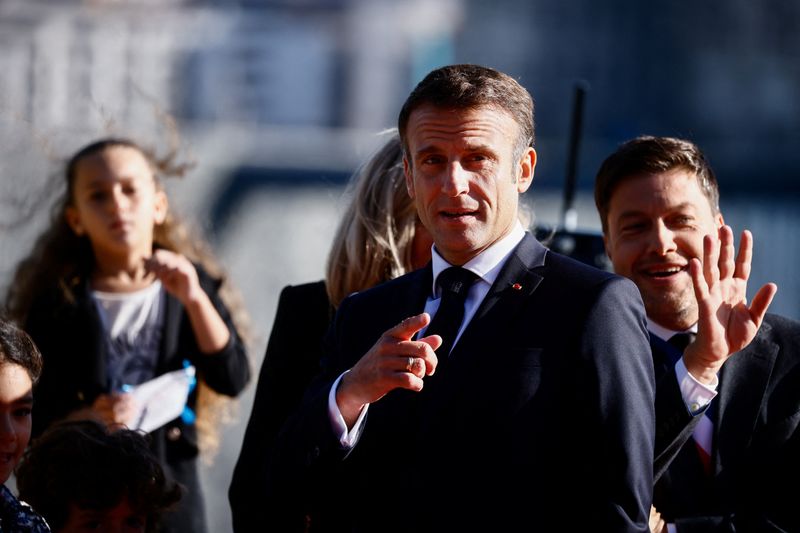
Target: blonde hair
{"points": [[62, 259], [373, 241]]}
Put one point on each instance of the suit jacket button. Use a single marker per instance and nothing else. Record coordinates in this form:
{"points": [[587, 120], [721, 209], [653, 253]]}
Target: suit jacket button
{"points": [[174, 433]]}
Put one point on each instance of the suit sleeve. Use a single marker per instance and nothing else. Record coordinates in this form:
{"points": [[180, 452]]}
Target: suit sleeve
{"points": [[616, 348], [226, 371]]}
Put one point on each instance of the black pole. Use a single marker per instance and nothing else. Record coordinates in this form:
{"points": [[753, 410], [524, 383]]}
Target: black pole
{"points": [[568, 215]]}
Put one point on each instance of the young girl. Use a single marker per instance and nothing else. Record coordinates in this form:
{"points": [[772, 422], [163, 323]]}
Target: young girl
{"points": [[115, 294], [20, 366]]}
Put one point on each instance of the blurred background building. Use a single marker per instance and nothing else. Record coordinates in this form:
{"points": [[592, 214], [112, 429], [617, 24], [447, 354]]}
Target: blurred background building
{"points": [[278, 101]]}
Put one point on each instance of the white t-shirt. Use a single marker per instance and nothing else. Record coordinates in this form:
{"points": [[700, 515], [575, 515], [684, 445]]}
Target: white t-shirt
{"points": [[133, 325]]}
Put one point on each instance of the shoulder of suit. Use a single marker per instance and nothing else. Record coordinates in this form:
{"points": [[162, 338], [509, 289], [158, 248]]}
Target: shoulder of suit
{"points": [[781, 329], [387, 290], [561, 265], [314, 291]]}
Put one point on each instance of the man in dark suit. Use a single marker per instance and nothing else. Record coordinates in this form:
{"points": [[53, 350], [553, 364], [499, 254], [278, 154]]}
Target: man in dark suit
{"points": [[540, 417], [733, 391]]}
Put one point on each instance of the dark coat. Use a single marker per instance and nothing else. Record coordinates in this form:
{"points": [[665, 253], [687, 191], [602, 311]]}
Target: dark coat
{"points": [[756, 443], [70, 337], [291, 361], [542, 419]]}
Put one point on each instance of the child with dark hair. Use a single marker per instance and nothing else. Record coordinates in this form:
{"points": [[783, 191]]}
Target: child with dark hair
{"points": [[85, 476], [118, 292], [20, 366]]}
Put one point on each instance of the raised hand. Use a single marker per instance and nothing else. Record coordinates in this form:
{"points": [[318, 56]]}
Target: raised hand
{"points": [[395, 361], [179, 277], [726, 323], [177, 274]]}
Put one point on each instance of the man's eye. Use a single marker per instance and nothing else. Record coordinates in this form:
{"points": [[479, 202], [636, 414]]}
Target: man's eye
{"points": [[22, 412], [634, 227]]}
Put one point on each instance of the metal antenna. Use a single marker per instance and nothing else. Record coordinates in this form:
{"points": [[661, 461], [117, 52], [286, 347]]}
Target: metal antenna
{"points": [[569, 216]]}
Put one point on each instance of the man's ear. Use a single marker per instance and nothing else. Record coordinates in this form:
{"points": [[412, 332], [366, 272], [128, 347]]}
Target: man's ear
{"points": [[525, 170], [409, 173], [73, 219], [605, 246], [161, 207]]}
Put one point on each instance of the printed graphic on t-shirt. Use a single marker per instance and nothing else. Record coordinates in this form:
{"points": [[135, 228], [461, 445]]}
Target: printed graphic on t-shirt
{"points": [[132, 361]]}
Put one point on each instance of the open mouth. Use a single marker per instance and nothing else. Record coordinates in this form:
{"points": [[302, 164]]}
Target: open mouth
{"points": [[458, 214], [664, 272]]}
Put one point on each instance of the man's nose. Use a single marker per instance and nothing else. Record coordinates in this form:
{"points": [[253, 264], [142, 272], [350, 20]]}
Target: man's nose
{"points": [[456, 180], [7, 431], [662, 240]]}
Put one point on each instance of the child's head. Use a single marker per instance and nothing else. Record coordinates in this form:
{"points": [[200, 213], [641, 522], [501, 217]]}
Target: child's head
{"points": [[64, 255], [114, 198], [20, 366], [81, 474]]}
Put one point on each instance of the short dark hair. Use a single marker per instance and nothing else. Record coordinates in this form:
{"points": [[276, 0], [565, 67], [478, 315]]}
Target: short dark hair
{"points": [[469, 87], [86, 464], [652, 155], [16, 347]]}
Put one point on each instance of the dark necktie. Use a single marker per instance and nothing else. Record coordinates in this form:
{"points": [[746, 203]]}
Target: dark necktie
{"points": [[454, 283], [680, 341]]}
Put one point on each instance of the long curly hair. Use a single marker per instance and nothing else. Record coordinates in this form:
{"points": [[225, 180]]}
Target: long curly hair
{"points": [[60, 258], [373, 240]]}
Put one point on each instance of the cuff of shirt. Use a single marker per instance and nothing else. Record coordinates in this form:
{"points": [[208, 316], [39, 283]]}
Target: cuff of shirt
{"points": [[695, 395], [347, 438]]}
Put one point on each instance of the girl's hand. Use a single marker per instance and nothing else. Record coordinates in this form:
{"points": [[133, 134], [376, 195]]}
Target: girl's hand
{"points": [[179, 278], [110, 409], [176, 273]]}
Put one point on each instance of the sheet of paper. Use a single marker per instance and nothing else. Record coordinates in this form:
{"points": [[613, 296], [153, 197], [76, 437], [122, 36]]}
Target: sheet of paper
{"points": [[161, 399]]}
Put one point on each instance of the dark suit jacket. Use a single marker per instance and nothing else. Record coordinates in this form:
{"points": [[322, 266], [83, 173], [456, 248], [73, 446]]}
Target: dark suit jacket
{"points": [[292, 359], [71, 339], [756, 445], [541, 420]]}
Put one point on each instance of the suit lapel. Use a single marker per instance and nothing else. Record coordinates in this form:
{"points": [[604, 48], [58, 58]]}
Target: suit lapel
{"points": [[514, 284], [747, 373], [412, 300]]}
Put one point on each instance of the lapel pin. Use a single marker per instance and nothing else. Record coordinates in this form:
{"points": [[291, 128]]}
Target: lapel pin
{"points": [[516, 286]]}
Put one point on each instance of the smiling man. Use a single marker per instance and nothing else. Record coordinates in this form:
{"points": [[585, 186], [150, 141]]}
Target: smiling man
{"points": [[727, 405], [502, 387]]}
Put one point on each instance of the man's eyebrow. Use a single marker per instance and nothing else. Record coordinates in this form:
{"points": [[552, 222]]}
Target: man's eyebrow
{"points": [[28, 398]]}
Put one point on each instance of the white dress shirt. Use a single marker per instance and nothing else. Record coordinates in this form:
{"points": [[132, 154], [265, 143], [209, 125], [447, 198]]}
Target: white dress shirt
{"points": [[696, 395]]}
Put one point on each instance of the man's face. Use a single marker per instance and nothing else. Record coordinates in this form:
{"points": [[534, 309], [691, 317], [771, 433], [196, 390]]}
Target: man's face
{"points": [[462, 175], [656, 224]]}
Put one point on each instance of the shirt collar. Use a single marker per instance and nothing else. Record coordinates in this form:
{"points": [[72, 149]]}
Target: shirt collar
{"points": [[664, 333], [487, 264]]}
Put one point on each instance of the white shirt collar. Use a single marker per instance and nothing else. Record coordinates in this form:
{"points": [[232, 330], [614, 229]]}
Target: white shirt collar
{"points": [[664, 333], [487, 264]]}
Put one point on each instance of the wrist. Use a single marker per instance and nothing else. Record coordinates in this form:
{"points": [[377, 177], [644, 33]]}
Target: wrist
{"points": [[350, 406], [702, 371]]}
